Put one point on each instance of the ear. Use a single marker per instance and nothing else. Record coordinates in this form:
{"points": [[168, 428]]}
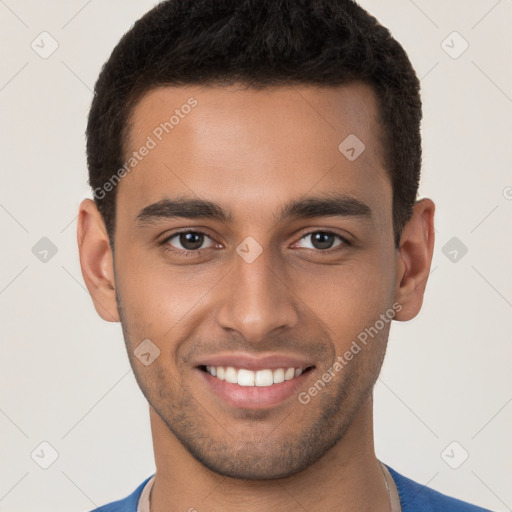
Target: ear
{"points": [[414, 257], [96, 260]]}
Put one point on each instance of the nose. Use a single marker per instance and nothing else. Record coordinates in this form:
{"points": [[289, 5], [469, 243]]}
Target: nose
{"points": [[258, 300]]}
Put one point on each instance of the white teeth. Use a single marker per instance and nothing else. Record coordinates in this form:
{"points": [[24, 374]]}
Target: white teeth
{"points": [[245, 377], [278, 375], [262, 378], [231, 375], [289, 374]]}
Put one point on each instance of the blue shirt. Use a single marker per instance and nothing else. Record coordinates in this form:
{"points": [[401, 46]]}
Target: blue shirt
{"points": [[414, 497]]}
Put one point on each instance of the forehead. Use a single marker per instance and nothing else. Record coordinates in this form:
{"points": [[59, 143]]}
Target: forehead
{"points": [[254, 148]]}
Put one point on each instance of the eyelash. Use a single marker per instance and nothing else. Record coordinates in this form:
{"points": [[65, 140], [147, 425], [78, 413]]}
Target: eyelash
{"points": [[180, 252]]}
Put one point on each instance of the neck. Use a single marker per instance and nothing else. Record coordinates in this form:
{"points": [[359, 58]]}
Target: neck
{"points": [[347, 478]]}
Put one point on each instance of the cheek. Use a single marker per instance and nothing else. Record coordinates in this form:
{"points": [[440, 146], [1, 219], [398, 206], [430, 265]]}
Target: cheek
{"points": [[349, 296], [157, 300]]}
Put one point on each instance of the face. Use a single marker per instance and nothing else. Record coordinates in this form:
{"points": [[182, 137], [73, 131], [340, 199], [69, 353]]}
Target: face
{"points": [[246, 238]]}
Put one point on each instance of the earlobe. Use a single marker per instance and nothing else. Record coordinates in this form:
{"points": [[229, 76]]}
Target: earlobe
{"points": [[414, 257], [96, 260]]}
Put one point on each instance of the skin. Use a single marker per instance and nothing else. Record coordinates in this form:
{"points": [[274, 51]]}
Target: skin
{"points": [[252, 152]]}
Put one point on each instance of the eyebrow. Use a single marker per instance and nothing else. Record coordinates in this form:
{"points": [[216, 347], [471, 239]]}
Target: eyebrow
{"points": [[331, 205]]}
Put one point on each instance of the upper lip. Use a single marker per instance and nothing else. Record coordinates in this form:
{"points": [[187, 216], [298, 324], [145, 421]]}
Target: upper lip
{"points": [[244, 360]]}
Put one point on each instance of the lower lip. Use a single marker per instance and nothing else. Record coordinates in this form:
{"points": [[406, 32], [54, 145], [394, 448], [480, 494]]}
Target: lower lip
{"points": [[253, 397]]}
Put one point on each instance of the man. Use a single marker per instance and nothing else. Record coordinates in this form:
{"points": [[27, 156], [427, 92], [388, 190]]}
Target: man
{"points": [[255, 228]]}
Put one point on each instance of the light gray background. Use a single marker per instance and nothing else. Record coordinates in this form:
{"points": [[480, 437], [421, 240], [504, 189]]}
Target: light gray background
{"points": [[65, 377]]}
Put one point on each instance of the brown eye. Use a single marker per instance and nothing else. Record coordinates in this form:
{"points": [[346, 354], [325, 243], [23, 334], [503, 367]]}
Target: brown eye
{"points": [[187, 240], [323, 240]]}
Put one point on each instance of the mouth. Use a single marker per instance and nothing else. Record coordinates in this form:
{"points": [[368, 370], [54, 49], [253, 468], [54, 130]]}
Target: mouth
{"points": [[253, 389], [255, 378]]}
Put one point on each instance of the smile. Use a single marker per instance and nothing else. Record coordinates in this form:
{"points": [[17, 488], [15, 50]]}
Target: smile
{"points": [[261, 378]]}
